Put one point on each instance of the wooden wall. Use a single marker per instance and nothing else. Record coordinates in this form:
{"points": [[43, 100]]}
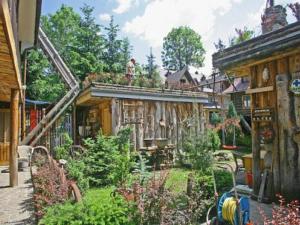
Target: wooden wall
{"points": [[237, 99], [285, 123], [153, 119]]}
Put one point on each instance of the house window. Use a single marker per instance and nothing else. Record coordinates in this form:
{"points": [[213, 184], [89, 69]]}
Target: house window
{"points": [[246, 101], [182, 81]]}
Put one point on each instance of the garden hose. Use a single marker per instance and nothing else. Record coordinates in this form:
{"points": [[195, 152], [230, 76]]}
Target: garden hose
{"points": [[229, 209]]}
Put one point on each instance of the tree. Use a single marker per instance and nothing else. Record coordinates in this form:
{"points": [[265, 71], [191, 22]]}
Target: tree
{"points": [[89, 45], [125, 49], [182, 47], [113, 45], [242, 35], [42, 82], [150, 67]]}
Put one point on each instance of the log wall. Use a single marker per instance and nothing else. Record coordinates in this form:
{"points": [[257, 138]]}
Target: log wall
{"points": [[153, 119]]}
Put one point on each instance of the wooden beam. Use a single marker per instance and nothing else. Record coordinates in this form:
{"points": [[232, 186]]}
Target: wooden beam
{"points": [[8, 30], [14, 130], [259, 90]]}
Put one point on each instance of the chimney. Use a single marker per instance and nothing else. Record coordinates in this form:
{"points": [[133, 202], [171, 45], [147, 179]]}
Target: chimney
{"points": [[273, 18]]}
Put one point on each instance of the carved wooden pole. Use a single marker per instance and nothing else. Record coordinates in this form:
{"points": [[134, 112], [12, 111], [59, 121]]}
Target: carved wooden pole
{"points": [[14, 118]]}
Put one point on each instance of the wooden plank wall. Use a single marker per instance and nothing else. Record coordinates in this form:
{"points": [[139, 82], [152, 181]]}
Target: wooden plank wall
{"points": [[286, 106], [153, 119]]}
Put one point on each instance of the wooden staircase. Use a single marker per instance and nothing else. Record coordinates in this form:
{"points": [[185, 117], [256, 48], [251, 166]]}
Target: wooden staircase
{"points": [[34, 135]]}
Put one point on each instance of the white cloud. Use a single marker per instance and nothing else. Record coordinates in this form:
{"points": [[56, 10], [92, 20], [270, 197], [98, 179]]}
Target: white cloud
{"points": [[104, 17], [124, 5], [161, 16]]}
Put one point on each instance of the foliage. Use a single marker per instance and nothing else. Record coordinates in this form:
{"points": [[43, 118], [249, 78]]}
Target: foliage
{"points": [[244, 140], [285, 213], [182, 47], [231, 111], [42, 84], [151, 67], [108, 159], [63, 151], [99, 206], [48, 188], [242, 35], [142, 169], [76, 171], [177, 180], [199, 149], [83, 46], [215, 119]]}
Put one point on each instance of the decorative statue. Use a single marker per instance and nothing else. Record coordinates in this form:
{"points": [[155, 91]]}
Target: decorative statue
{"points": [[130, 70]]}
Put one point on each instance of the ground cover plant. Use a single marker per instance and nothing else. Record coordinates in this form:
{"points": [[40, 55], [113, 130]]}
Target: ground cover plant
{"points": [[99, 206]]}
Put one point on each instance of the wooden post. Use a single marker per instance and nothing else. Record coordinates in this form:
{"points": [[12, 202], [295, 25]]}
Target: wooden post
{"points": [[74, 123], [14, 130], [255, 140], [24, 94]]}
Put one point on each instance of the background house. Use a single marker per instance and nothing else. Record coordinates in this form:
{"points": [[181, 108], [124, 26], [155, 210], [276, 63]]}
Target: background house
{"points": [[181, 80], [238, 95]]}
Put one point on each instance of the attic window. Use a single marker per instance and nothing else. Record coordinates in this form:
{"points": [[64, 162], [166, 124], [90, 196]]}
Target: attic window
{"points": [[182, 81]]}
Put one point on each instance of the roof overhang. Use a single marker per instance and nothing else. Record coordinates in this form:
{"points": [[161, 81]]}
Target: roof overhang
{"points": [[99, 90], [264, 48], [29, 17]]}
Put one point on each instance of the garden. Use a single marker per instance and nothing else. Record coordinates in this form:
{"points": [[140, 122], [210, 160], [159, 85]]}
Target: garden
{"points": [[119, 186]]}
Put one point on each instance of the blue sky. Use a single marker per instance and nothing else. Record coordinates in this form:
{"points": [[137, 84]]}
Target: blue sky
{"points": [[146, 22]]}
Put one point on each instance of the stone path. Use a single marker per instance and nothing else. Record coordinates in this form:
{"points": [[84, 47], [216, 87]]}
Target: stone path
{"points": [[16, 205]]}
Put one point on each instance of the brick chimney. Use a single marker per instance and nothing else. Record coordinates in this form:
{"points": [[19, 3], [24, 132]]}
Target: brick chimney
{"points": [[273, 18]]}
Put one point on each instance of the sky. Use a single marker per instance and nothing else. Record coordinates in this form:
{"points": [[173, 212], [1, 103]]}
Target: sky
{"points": [[147, 22]]}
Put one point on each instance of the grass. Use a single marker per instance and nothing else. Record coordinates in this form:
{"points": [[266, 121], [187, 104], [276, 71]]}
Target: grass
{"points": [[177, 180]]}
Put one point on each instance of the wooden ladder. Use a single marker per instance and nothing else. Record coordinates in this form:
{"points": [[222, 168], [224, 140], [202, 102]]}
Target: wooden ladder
{"points": [[34, 135]]}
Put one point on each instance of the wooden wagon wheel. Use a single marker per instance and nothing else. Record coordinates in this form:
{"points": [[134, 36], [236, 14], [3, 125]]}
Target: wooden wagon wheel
{"points": [[74, 192]]}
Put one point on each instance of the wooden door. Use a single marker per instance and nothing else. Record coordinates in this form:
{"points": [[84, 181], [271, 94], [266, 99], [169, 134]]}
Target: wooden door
{"points": [[4, 136]]}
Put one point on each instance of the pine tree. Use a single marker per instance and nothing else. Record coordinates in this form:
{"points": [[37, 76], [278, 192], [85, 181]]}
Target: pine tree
{"points": [[150, 67], [126, 49], [113, 45]]}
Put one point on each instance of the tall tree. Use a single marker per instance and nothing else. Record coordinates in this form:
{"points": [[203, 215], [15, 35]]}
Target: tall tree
{"points": [[151, 66], [113, 45], [125, 51], [89, 44], [182, 47]]}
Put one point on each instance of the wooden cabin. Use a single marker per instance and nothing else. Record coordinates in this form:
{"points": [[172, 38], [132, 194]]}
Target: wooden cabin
{"points": [[272, 61], [238, 95], [181, 80], [19, 22], [151, 113]]}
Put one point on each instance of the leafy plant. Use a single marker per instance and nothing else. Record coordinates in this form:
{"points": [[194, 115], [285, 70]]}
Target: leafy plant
{"points": [[285, 213], [199, 149], [63, 151], [48, 188], [108, 160], [215, 119], [99, 206], [76, 171]]}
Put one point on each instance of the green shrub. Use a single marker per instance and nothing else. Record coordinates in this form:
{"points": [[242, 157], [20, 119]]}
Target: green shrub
{"points": [[108, 160], [199, 149], [99, 206], [63, 151], [76, 171]]}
